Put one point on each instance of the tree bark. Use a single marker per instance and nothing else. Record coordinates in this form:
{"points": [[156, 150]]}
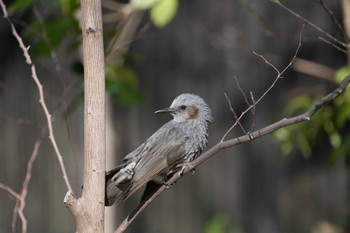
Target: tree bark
{"points": [[88, 211]]}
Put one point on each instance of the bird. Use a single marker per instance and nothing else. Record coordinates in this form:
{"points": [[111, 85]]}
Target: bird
{"points": [[177, 142]]}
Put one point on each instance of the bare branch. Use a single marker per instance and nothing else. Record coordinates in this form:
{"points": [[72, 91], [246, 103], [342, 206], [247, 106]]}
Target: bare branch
{"points": [[234, 114], [334, 19], [21, 203], [128, 25], [345, 5], [280, 73], [248, 104], [41, 95], [19, 208], [127, 221], [279, 76], [241, 90], [10, 191], [310, 23], [333, 45], [24, 190], [253, 112], [271, 128]]}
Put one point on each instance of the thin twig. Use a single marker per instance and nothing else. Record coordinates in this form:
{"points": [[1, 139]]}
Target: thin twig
{"points": [[253, 111], [61, 74], [21, 203], [339, 26], [127, 221], [309, 23], [48, 43], [248, 104], [279, 76], [234, 113], [241, 90], [24, 190], [333, 45], [19, 208], [42, 102]]}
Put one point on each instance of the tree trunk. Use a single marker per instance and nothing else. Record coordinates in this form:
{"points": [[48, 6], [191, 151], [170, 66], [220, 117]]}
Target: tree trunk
{"points": [[88, 211]]}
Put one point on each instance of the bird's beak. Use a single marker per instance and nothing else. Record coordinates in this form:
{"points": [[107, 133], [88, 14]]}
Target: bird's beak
{"points": [[165, 110]]}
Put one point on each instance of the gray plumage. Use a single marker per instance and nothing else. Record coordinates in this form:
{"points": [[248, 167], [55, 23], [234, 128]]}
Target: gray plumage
{"points": [[179, 141]]}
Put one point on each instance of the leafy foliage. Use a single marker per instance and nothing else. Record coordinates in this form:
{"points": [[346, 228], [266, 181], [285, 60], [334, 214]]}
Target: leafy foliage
{"points": [[20, 6], [48, 31], [220, 224], [331, 124], [161, 11], [122, 84], [60, 28], [53, 33]]}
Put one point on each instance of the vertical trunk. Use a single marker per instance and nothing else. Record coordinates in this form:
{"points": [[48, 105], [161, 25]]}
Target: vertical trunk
{"points": [[94, 112], [88, 210]]}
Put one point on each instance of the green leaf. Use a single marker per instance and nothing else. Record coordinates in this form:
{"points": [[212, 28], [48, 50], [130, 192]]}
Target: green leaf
{"points": [[342, 73], [121, 83], [340, 152], [163, 12], [220, 223], [20, 6], [343, 116], [217, 224], [52, 33], [68, 7], [299, 104], [335, 139], [144, 4], [304, 145], [284, 136]]}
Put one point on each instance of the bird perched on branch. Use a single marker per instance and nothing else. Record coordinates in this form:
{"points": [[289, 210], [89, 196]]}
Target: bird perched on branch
{"points": [[177, 142]]}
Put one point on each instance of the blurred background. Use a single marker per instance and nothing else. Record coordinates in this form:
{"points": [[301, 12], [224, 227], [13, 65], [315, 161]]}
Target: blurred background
{"points": [[296, 180]]}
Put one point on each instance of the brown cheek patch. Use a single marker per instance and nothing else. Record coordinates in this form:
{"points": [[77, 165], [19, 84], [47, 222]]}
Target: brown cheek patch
{"points": [[192, 112]]}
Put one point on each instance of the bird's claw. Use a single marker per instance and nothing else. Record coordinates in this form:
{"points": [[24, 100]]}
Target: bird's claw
{"points": [[168, 185], [184, 167]]}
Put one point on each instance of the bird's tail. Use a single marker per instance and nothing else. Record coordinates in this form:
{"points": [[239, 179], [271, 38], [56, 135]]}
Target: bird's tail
{"points": [[112, 192]]}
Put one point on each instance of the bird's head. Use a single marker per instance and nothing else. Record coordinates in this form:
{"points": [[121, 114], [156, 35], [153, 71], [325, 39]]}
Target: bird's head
{"points": [[187, 107]]}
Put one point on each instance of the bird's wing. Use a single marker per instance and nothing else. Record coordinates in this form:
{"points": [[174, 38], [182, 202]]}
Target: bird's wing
{"points": [[113, 191], [161, 152]]}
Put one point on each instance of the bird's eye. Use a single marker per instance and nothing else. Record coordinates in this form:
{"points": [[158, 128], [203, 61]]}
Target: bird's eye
{"points": [[183, 107]]}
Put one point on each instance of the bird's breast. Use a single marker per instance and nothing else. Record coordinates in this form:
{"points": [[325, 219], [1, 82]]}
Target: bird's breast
{"points": [[197, 140]]}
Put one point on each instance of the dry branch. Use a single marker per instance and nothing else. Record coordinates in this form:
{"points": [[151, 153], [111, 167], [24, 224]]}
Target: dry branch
{"points": [[278, 76], [21, 204], [308, 22], [21, 196], [41, 95]]}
